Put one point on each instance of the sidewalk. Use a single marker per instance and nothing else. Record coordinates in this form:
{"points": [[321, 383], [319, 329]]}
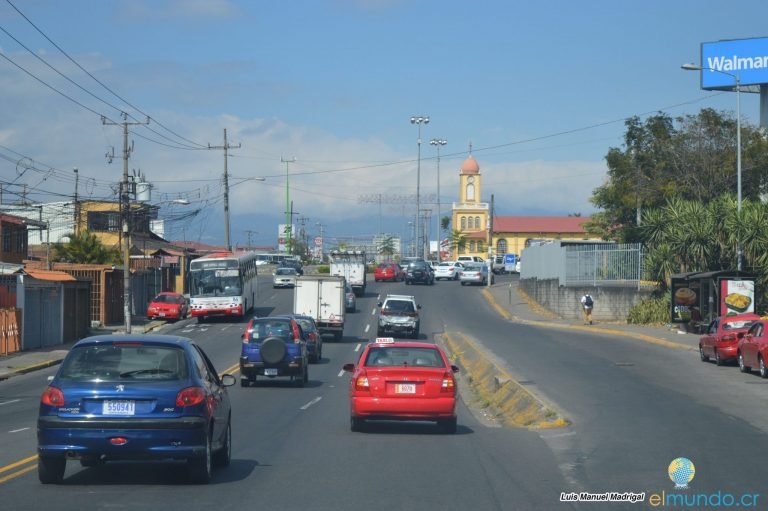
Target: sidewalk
{"points": [[516, 306], [32, 360]]}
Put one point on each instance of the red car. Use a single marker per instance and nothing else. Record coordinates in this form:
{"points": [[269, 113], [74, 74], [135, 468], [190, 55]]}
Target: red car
{"points": [[399, 380], [389, 271], [721, 340], [753, 349], [168, 305]]}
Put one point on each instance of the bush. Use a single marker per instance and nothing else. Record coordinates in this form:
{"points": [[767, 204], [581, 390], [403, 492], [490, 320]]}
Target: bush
{"points": [[323, 268], [651, 311]]}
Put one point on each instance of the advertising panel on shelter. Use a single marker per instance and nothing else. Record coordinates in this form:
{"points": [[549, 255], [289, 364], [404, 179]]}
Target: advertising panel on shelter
{"points": [[723, 61], [685, 301], [737, 297]]}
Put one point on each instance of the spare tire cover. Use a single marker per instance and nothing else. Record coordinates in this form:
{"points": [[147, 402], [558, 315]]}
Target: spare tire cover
{"points": [[273, 350]]}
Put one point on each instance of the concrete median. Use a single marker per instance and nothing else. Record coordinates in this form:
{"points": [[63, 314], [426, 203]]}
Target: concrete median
{"points": [[496, 389]]}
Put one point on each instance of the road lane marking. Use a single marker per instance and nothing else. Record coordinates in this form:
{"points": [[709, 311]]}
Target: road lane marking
{"points": [[17, 430], [234, 368], [367, 327], [20, 462], [373, 312], [17, 474], [314, 401], [357, 348], [225, 327], [9, 402], [341, 373]]}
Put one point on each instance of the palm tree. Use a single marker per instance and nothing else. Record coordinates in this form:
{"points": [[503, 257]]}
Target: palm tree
{"points": [[458, 241], [387, 247], [84, 248]]}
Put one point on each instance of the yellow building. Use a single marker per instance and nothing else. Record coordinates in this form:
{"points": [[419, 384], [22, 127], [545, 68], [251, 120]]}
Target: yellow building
{"points": [[511, 234]]}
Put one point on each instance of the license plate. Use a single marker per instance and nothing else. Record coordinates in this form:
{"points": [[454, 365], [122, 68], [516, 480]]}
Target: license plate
{"points": [[112, 407], [270, 372], [405, 388], [162, 314]]}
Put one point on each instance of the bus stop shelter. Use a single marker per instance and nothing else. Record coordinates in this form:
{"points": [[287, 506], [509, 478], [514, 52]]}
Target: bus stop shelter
{"points": [[700, 297]]}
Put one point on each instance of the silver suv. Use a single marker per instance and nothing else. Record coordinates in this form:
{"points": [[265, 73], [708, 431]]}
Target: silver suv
{"points": [[399, 314]]}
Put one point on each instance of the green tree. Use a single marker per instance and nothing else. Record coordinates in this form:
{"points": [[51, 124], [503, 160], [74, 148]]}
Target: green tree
{"points": [[84, 248], [458, 240], [387, 246]]}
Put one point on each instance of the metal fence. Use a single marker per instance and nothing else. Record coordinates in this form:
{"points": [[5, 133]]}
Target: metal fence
{"points": [[585, 263]]}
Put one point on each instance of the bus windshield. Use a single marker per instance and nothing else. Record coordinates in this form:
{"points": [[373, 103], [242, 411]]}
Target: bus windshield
{"points": [[215, 282]]}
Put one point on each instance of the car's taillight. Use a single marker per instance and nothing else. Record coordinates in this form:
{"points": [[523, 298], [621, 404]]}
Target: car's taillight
{"points": [[728, 338], [448, 385], [52, 397], [190, 396], [361, 383]]}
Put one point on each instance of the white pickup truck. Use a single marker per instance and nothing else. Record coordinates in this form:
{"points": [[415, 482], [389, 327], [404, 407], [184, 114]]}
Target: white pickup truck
{"points": [[324, 299], [351, 265]]}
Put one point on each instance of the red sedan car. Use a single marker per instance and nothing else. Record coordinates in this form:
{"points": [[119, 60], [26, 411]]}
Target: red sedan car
{"points": [[722, 338], [168, 305], [389, 271], [753, 349], [399, 380]]}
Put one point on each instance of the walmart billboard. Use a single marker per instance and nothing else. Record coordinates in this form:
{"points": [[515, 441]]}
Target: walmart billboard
{"points": [[724, 60]]}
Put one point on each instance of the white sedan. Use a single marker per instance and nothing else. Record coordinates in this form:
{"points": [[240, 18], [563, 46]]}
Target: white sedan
{"points": [[474, 273], [448, 270]]}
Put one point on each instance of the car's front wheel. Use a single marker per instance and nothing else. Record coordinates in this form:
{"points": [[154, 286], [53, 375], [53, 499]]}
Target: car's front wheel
{"points": [[763, 369], [743, 368], [50, 469]]}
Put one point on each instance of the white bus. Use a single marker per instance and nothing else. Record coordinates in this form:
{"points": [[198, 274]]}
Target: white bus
{"points": [[222, 284]]}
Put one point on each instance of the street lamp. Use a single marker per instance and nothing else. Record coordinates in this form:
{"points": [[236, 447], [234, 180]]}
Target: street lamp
{"points": [[288, 218], [418, 121], [694, 67], [437, 142]]}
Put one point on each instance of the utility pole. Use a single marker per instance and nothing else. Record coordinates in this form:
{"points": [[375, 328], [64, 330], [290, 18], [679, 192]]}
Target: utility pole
{"points": [[490, 243], [248, 232], [77, 209], [125, 203], [226, 148], [288, 204]]}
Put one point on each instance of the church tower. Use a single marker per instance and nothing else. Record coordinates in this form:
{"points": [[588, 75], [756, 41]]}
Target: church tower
{"points": [[470, 215]]}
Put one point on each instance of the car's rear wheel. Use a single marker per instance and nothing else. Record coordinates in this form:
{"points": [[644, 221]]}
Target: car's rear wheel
{"points": [[302, 379], [50, 469], [356, 424], [718, 359], [743, 368], [200, 469], [447, 426], [761, 365], [702, 356], [223, 456]]}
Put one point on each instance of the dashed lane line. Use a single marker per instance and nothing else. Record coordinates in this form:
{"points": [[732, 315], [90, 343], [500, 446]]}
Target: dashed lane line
{"points": [[314, 401]]}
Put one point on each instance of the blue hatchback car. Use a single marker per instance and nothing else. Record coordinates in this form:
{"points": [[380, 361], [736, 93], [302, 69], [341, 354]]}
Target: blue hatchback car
{"points": [[135, 397], [274, 346]]}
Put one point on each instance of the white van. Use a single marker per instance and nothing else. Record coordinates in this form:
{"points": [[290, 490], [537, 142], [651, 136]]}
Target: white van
{"points": [[470, 259]]}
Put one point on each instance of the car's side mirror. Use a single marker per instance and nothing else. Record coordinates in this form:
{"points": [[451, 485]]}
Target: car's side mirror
{"points": [[379, 304], [50, 378], [227, 380], [454, 368], [349, 368], [418, 306]]}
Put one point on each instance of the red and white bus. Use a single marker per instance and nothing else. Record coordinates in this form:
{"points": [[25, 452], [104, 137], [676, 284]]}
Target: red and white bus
{"points": [[222, 284]]}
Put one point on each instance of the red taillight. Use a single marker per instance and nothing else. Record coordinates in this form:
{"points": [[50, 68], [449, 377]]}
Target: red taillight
{"points": [[118, 440], [190, 396], [361, 383], [449, 384], [727, 338], [52, 397]]}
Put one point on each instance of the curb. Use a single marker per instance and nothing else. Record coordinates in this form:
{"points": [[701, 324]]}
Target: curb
{"points": [[512, 403], [30, 368], [606, 331]]}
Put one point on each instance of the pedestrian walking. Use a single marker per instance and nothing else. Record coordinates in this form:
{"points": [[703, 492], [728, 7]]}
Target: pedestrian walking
{"points": [[587, 303]]}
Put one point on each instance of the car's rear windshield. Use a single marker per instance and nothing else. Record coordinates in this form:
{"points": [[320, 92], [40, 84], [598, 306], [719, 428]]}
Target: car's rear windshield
{"points": [[732, 325], [262, 329], [400, 356], [398, 306], [167, 299], [286, 271], [129, 362]]}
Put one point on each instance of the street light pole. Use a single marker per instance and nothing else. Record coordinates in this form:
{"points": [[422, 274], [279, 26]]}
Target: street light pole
{"points": [[437, 142], [694, 67], [418, 121], [288, 218]]}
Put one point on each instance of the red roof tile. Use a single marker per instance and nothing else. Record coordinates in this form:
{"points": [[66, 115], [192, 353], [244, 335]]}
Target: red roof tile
{"points": [[540, 224]]}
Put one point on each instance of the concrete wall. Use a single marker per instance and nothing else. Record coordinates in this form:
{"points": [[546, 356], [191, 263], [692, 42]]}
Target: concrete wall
{"points": [[611, 303]]}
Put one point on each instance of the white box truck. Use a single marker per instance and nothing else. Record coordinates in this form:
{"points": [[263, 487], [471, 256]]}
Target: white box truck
{"points": [[323, 298], [350, 264]]}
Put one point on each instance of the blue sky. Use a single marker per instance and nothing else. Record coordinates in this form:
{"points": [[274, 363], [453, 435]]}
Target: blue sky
{"points": [[539, 88]]}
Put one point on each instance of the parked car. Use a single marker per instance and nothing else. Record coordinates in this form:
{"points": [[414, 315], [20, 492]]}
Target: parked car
{"points": [[410, 381], [474, 273], [420, 272], [284, 277], [470, 259], [448, 270], [350, 301], [721, 340], [274, 347], [124, 397], [399, 315], [388, 271], [311, 336], [168, 305], [752, 350]]}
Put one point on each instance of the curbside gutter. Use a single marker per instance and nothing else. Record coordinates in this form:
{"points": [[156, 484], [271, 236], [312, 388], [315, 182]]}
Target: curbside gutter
{"points": [[510, 402], [592, 329]]}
